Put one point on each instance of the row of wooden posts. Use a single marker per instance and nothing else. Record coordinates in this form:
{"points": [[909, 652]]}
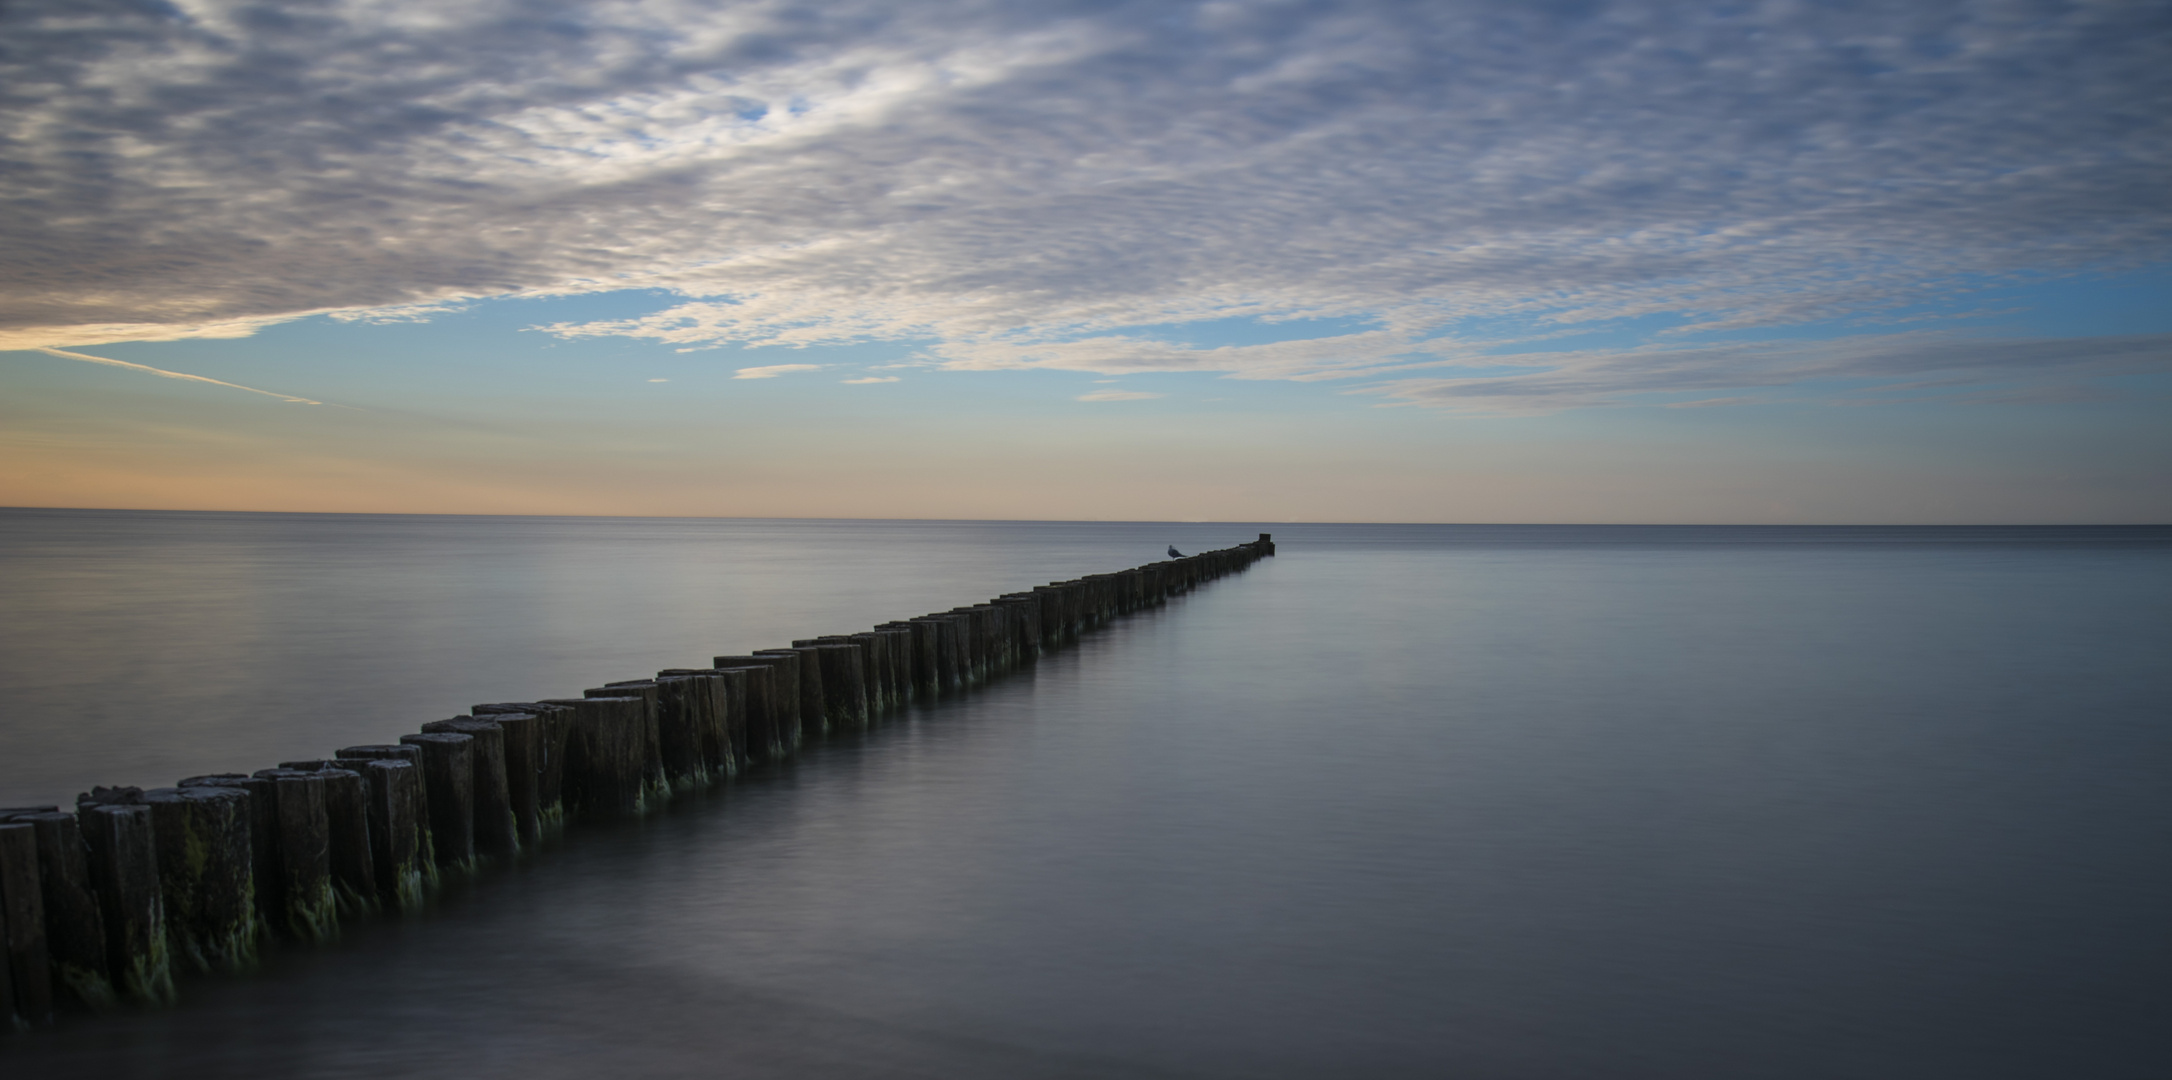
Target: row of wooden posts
{"points": [[109, 903]]}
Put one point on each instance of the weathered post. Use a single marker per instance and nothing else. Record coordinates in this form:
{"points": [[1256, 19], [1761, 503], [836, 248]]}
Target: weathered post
{"points": [[521, 734], [207, 876], [75, 932], [1024, 611], [806, 674], [541, 744], [899, 637], [497, 833], [761, 707], [311, 911], [401, 859], [448, 778], [844, 681], [123, 864], [683, 714], [408, 849], [655, 789], [346, 810], [927, 658], [266, 872], [941, 653], [605, 759], [27, 997], [787, 697], [712, 752]]}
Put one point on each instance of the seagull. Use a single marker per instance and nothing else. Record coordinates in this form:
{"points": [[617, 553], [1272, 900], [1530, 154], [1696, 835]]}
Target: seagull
{"points": [[1174, 553]]}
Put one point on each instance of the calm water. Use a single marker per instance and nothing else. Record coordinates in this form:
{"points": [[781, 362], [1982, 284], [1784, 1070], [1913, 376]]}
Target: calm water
{"points": [[1403, 801]]}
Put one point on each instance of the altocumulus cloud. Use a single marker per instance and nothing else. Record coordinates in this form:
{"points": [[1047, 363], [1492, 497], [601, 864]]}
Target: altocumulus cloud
{"points": [[1034, 185], [773, 370]]}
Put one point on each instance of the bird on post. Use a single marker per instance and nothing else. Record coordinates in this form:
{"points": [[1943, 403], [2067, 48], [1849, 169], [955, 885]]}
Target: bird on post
{"points": [[1174, 553]]}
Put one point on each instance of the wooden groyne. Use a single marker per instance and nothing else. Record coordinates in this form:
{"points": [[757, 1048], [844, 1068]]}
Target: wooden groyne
{"points": [[113, 902]]}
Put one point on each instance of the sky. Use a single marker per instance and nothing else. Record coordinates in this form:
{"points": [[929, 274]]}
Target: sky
{"points": [[1447, 261]]}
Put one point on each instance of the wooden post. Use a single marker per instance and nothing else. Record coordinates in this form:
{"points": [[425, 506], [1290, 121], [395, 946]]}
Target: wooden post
{"points": [[775, 731], [1025, 616], [904, 661], [758, 709], [927, 659], [683, 714], [938, 643], [124, 874], [413, 788], [497, 834], [712, 747], [805, 673], [75, 932], [305, 855], [844, 685], [545, 746], [521, 734], [605, 756], [401, 860], [346, 809], [207, 876], [27, 996], [875, 672], [265, 869], [655, 789], [448, 771]]}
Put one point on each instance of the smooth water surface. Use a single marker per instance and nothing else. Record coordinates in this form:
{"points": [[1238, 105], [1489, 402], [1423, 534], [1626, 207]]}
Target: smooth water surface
{"points": [[1402, 801]]}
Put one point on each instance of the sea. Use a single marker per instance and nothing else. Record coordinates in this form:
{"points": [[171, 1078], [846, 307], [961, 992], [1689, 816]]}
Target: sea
{"points": [[1447, 801]]}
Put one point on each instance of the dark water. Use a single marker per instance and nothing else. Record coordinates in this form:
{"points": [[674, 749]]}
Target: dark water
{"points": [[1403, 801]]}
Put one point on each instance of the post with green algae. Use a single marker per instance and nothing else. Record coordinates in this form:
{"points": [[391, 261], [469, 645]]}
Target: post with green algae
{"points": [[704, 696], [535, 759], [75, 933], [497, 833], [400, 850], [448, 771], [311, 910], [875, 671], [346, 810], [812, 709], [843, 677], [123, 862], [655, 788], [680, 714], [521, 746], [753, 712], [606, 759], [206, 873], [264, 860], [774, 718], [26, 978]]}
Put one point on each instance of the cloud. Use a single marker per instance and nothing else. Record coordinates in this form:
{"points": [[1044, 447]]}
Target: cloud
{"points": [[870, 379], [659, 380], [165, 374], [774, 370], [1117, 395], [1041, 185], [1888, 367]]}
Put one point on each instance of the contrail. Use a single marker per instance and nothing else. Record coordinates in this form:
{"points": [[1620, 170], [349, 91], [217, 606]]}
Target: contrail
{"points": [[162, 372]]}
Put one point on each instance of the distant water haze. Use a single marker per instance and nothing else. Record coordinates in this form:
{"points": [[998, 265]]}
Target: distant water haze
{"points": [[1424, 801]]}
